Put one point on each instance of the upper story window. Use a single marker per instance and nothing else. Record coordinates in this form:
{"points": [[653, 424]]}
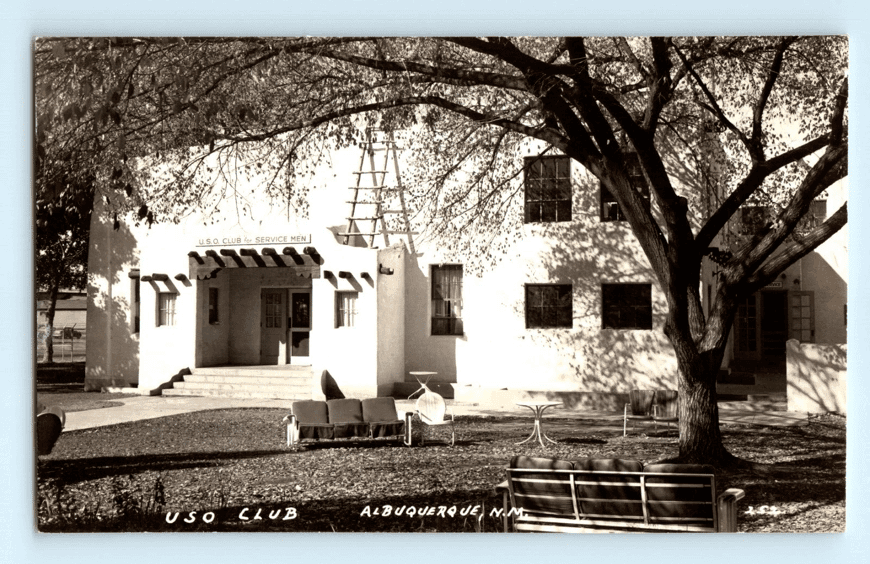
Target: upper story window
{"points": [[166, 308], [549, 305], [447, 299], [609, 208], [626, 306], [548, 189]]}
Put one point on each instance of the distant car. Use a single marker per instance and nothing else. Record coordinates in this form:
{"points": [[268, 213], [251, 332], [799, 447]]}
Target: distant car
{"points": [[49, 425]]}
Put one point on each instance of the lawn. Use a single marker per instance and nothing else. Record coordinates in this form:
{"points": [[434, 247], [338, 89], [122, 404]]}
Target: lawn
{"points": [[62, 384], [231, 466]]}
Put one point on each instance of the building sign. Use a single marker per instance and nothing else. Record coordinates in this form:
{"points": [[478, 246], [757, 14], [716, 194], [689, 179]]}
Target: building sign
{"points": [[774, 285], [229, 239]]}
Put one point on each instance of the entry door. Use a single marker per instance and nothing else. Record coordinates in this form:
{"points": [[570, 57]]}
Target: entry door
{"points": [[300, 325], [273, 326]]}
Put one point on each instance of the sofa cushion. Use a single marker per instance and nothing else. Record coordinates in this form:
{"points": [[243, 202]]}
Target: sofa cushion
{"points": [[542, 492], [316, 431], [344, 411], [379, 409], [687, 498], [620, 496], [313, 412], [387, 429]]}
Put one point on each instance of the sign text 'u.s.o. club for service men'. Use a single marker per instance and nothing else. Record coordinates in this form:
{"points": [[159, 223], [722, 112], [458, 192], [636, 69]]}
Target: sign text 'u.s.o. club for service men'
{"points": [[223, 240]]}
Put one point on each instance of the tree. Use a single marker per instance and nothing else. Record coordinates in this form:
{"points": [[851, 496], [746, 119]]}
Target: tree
{"points": [[776, 106], [61, 238]]}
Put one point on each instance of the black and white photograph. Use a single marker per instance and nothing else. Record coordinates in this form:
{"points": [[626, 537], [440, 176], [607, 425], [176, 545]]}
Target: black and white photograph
{"points": [[419, 284]]}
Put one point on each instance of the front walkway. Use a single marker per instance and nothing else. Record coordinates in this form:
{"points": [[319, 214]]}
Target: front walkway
{"points": [[150, 407]]}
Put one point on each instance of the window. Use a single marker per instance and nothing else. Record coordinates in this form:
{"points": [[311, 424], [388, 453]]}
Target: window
{"points": [[136, 299], [213, 315], [345, 309], [165, 308], [549, 305], [548, 189], [609, 208], [626, 306], [447, 300]]}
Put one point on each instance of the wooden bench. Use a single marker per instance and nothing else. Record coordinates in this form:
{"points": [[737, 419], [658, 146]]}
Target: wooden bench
{"points": [[614, 495]]}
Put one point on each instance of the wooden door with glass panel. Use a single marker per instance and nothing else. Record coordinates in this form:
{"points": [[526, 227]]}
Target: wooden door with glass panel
{"points": [[300, 325], [273, 326]]}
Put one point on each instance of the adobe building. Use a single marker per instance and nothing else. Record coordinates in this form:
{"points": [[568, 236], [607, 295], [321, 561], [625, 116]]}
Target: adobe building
{"points": [[264, 302]]}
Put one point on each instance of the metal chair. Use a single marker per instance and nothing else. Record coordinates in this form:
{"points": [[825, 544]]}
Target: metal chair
{"points": [[640, 406], [431, 410], [666, 408]]}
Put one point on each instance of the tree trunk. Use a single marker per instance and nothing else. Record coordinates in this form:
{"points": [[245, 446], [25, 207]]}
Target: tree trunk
{"points": [[48, 356], [700, 437]]}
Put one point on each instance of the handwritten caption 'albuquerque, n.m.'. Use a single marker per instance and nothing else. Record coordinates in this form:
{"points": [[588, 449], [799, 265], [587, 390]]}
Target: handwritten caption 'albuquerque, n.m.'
{"points": [[432, 511]]}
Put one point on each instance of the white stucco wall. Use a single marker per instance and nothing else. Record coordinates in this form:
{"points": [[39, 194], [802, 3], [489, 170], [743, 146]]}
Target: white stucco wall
{"points": [[112, 356]]}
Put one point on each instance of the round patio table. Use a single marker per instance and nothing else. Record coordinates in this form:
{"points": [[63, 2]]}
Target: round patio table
{"points": [[538, 407]]}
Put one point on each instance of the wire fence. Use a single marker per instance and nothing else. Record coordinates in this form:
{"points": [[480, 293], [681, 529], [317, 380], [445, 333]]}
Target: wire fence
{"points": [[69, 343]]}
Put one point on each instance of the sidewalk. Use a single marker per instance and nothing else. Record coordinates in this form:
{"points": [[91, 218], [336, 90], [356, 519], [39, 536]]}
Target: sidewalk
{"points": [[150, 407]]}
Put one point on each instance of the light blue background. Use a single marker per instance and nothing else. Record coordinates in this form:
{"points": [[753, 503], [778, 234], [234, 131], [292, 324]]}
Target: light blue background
{"points": [[20, 21]]}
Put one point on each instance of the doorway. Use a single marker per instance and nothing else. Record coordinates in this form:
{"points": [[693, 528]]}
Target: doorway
{"points": [[285, 326]]}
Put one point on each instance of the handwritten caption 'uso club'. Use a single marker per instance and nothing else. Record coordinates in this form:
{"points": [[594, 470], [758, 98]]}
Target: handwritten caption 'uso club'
{"points": [[245, 514]]}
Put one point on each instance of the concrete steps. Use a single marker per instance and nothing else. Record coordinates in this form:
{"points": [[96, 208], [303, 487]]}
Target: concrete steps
{"points": [[262, 382]]}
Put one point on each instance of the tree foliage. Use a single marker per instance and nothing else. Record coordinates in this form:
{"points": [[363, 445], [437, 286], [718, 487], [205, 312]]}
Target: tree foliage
{"points": [[774, 107]]}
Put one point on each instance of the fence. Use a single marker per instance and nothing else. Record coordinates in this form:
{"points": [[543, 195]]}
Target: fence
{"points": [[69, 343]]}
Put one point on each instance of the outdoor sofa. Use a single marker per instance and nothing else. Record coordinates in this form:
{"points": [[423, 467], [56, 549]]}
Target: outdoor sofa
{"points": [[347, 418], [614, 495]]}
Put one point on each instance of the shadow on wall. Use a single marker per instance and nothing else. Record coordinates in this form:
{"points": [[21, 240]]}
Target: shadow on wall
{"points": [[831, 294], [589, 253], [124, 358], [439, 354], [816, 377], [113, 350]]}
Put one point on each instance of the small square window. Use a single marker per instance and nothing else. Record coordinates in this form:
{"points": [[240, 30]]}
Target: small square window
{"points": [[165, 309], [447, 299], [548, 189], [213, 310], [345, 309], [609, 208], [626, 306], [549, 305]]}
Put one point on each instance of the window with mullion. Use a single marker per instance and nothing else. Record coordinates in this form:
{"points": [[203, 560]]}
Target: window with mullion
{"points": [[447, 300], [345, 309], [610, 210], [549, 305], [547, 189], [626, 306], [165, 309]]}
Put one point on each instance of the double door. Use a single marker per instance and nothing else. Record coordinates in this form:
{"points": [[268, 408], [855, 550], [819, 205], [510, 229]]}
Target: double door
{"points": [[766, 319], [285, 325]]}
